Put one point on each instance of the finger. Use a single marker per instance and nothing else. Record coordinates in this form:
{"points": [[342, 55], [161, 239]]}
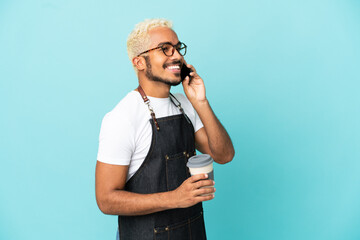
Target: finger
{"points": [[189, 79], [191, 67], [204, 183], [185, 83], [193, 74], [186, 80], [198, 177], [205, 198], [204, 191]]}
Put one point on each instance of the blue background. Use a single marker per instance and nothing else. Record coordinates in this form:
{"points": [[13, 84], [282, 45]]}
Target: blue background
{"points": [[282, 76]]}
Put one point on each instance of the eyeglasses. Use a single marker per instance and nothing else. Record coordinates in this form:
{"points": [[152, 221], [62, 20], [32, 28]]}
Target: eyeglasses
{"points": [[169, 49]]}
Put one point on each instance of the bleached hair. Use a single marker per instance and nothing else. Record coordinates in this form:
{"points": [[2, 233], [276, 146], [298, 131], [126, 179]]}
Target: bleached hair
{"points": [[139, 39]]}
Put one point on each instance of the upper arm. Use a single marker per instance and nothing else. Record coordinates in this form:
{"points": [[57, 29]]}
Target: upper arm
{"points": [[109, 178], [202, 142]]}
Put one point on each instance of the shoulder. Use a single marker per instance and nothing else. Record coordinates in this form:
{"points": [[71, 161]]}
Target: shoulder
{"points": [[128, 106], [129, 103], [125, 113]]}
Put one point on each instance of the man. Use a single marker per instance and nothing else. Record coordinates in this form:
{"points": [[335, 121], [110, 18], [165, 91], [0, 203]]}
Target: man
{"points": [[146, 140]]}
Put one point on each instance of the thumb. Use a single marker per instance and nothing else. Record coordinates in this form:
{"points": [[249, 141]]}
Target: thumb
{"points": [[185, 83]]}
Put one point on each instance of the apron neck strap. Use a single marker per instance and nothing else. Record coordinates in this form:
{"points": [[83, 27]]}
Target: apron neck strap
{"points": [[147, 102], [152, 113], [178, 105]]}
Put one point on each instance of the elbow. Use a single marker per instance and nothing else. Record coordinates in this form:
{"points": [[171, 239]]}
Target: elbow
{"points": [[228, 157], [104, 210], [104, 206], [225, 158]]}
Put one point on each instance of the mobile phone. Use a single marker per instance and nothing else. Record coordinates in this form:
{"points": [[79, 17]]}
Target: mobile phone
{"points": [[185, 71]]}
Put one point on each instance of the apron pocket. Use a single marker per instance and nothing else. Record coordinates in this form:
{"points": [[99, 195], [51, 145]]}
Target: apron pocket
{"points": [[176, 170], [192, 228]]}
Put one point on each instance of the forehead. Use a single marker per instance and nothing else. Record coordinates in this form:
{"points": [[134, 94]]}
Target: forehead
{"points": [[162, 34]]}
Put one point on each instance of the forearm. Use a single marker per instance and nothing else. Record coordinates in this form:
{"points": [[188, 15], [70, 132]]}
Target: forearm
{"points": [[195, 189], [219, 141], [120, 202]]}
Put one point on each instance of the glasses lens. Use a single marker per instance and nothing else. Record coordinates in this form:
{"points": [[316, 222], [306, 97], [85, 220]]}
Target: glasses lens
{"points": [[168, 49], [182, 49]]}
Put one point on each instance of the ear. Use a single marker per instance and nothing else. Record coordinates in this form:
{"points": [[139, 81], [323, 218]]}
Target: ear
{"points": [[139, 63]]}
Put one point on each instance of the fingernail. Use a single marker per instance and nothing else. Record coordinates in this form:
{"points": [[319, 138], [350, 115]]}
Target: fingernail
{"points": [[206, 175], [213, 182]]}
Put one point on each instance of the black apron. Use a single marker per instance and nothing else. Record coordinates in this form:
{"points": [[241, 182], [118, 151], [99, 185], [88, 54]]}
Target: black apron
{"points": [[164, 169]]}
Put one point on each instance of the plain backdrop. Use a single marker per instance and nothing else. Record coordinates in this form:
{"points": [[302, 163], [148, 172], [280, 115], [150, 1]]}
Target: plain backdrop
{"points": [[281, 75]]}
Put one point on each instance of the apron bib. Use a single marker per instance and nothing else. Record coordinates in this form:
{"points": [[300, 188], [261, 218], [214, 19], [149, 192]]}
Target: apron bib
{"points": [[164, 169]]}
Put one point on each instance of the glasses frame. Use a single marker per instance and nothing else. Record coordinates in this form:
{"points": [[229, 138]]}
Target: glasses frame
{"points": [[162, 45]]}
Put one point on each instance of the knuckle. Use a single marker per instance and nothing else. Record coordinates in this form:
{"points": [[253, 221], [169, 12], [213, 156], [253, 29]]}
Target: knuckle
{"points": [[211, 197], [209, 190], [199, 185], [206, 183]]}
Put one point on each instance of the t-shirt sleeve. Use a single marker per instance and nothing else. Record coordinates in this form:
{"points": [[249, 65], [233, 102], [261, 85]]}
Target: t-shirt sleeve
{"points": [[190, 111], [116, 140], [198, 123]]}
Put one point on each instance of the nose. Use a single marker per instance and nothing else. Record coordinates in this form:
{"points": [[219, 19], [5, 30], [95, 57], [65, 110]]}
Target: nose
{"points": [[176, 55]]}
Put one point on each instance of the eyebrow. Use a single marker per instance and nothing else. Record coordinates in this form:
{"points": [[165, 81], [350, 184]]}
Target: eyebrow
{"points": [[162, 43]]}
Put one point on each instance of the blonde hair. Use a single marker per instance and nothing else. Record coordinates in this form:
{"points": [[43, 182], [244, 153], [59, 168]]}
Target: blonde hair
{"points": [[139, 40]]}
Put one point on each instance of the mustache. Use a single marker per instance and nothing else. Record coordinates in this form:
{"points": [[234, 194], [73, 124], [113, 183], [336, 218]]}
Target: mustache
{"points": [[172, 63]]}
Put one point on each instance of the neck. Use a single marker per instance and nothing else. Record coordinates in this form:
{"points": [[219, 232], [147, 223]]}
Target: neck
{"points": [[154, 89]]}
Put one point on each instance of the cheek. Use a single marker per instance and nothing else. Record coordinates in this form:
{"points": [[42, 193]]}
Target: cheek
{"points": [[159, 65]]}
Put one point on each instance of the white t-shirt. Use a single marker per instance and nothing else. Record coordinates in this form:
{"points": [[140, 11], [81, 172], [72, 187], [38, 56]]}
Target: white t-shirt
{"points": [[125, 135]]}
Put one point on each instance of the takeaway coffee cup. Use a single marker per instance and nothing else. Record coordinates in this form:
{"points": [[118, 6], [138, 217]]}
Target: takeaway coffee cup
{"points": [[202, 163]]}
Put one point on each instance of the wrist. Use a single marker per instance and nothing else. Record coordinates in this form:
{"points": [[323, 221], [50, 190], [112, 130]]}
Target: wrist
{"points": [[169, 200], [198, 104]]}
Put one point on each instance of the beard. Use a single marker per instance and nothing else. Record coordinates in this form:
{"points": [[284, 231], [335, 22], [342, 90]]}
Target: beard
{"points": [[155, 78]]}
